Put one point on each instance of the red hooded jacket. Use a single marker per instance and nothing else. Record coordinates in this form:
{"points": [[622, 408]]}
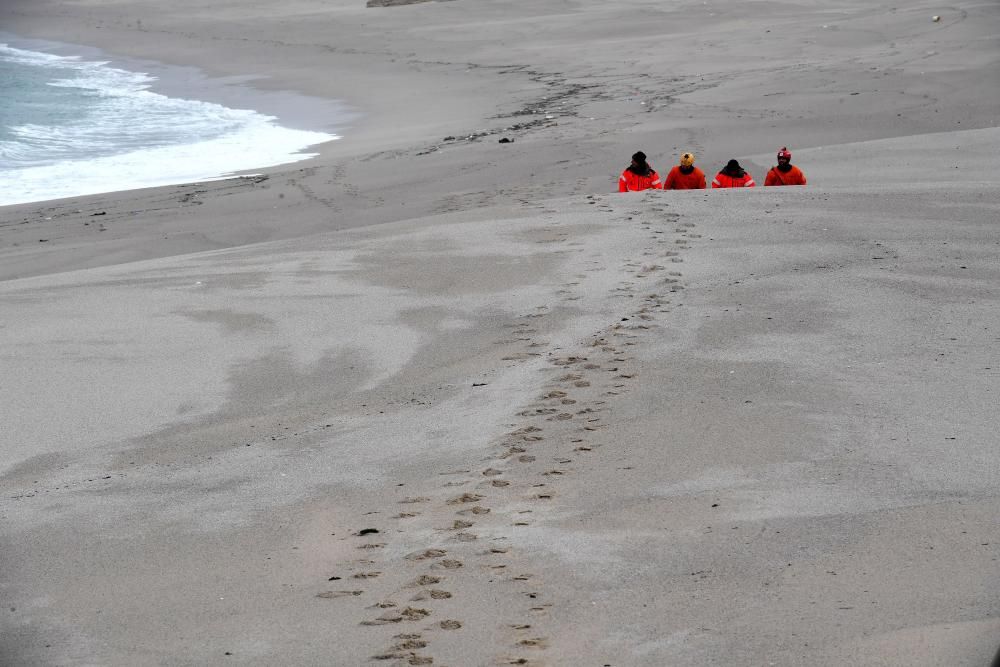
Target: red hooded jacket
{"points": [[793, 176], [632, 182], [678, 180], [721, 180]]}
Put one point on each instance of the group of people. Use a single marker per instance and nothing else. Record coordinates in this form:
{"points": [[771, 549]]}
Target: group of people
{"points": [[640, 175]]}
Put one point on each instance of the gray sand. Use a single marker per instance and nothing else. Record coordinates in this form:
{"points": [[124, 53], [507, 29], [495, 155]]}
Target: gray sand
{"points": [[691, 428]]}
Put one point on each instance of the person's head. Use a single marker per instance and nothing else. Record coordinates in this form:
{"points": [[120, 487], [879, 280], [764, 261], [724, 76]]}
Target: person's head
{"points": [[639, 159], [733, 168], [687, 160], [784, 156]]}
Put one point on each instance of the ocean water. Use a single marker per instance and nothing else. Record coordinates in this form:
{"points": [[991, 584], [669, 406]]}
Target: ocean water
{"points": [[72, 126]]}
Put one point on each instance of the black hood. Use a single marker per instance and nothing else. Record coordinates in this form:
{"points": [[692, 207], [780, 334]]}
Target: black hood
{"points": [[641, 170], [733, 169]]}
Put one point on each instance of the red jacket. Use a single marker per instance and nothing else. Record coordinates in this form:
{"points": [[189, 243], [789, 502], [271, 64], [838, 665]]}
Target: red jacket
{"points": [[793, 176], [632, 182], [723, 181], [678, 180]]}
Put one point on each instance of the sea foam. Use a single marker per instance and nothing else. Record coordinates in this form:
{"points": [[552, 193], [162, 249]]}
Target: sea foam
{"points": [[70, 126]]}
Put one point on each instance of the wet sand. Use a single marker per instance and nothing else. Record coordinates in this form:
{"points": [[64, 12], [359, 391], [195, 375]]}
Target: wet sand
{"points": [[452, 402]]}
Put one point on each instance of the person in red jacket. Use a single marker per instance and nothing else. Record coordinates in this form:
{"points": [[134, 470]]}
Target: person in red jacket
{"points": [[639, 175], [685, 176], [733, 176], [785, 173]]}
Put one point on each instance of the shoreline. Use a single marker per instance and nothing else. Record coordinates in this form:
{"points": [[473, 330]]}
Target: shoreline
{"points": [[190, 85], [294, 110]]}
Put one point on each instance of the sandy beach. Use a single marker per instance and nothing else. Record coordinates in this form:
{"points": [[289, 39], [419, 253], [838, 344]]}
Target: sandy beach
{"points": [[433, 399]]}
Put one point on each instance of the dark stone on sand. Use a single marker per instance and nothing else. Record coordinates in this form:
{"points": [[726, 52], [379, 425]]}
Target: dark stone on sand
{"points": [[367, 531], [505, 140], [334, 579], [395, 3], [101, 213]]}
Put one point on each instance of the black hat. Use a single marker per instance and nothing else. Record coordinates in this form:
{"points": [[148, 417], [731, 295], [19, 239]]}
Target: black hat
{"points": [[639, 157], [733, 164]]}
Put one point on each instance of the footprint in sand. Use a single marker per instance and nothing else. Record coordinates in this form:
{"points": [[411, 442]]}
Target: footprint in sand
{"points": [[426, 554], [475, 510], [331, 595], [567, 361], [536, 412], [432, 594], [407, 614], [465, 498], [425, 580], [518, 356], [450, 624], [419, 499], [448, 564], [388, 656], [410, 644]]}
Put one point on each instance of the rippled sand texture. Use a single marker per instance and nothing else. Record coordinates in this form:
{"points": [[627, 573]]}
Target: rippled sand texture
{"points": [[433, 399]]}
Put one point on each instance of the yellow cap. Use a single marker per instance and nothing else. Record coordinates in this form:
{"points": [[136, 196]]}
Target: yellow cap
{"points": [[687, 159]]}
